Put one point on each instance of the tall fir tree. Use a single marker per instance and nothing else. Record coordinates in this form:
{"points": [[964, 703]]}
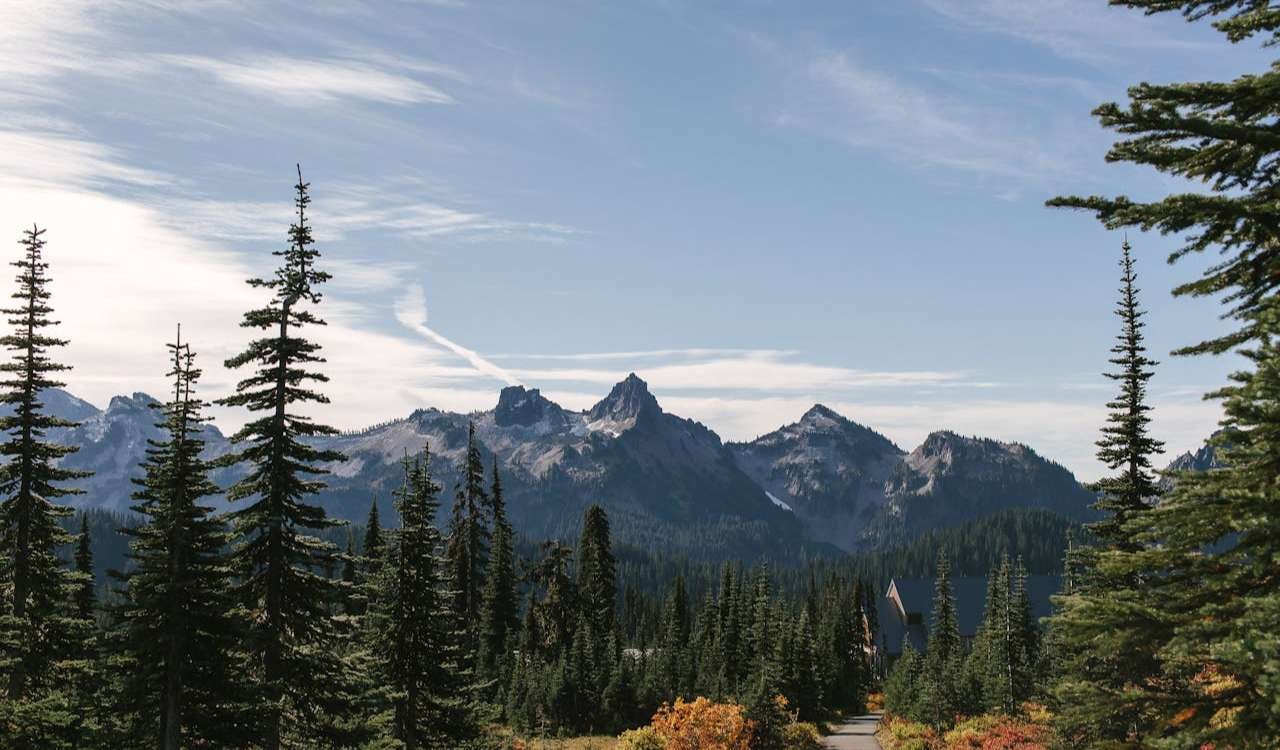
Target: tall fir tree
{"points": [[1211, 599], [940, 699], [374, 547], [499, 615], [468, 542], [1207, 604], [39, 626], [1126, 445], [175, 637], [1104, 654], [278, 558], [597, 571], [86, 589], [416, 637]]}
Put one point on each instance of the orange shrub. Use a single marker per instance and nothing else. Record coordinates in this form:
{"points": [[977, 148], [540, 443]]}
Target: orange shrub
{"points": [[897, 733], [875, 702], [703, 725], [994, 732]]}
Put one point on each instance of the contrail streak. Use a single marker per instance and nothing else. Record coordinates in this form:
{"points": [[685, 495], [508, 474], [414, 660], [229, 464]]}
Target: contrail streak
{"points": [[411, 311]]}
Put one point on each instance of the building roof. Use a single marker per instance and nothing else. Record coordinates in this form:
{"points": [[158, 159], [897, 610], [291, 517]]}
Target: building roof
{"points": [[970, 593]]}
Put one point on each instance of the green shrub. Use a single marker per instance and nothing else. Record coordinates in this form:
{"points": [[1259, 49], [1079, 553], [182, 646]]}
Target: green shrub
{"points": [[801, 736], [644, 738]]}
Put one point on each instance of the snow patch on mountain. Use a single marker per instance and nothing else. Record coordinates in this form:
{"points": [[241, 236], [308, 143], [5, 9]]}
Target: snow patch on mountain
{"points": [[778, 502]]}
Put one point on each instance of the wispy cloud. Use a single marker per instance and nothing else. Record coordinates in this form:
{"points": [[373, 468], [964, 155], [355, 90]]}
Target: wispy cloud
{"points": [[349, 208], [1091, 32], [737, 370], [872, 109], [37, 156], [306, 82], [647, 354]]}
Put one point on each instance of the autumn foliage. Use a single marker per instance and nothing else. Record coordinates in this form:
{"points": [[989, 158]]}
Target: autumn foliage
{"points": [[703, 725], [986, 732]]}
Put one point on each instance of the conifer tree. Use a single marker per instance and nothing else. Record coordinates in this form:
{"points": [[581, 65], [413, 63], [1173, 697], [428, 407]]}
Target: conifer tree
{"points": [[597, 576], [1105, 655], [175, 635], [902, 689], [1002, 661], [374, 547], [942, 656], [86, 591], [349, 561], [278, 559], [1214, 602], [499, 619], [469, 533], [557, 613], [38, 623], [417, 638], [1126, 445], [1205, 605]]}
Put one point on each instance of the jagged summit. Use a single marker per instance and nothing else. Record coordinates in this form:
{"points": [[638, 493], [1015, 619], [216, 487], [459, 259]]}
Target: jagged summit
{"points": [[522, 406], [628, 400], [820, 413], [138, 400]]}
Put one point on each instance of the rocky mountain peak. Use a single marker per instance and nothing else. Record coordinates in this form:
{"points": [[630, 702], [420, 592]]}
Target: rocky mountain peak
{"points": [[628, 400], [522, 406], [138, 401], [821, 416]]}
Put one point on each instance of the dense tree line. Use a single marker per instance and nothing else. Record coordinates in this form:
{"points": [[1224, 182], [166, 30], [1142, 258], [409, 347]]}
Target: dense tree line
{"points": [[272, 626], [996, 673]]}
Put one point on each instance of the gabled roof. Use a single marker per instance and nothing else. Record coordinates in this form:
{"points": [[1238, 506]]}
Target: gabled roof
{"points": [[916, 595]]}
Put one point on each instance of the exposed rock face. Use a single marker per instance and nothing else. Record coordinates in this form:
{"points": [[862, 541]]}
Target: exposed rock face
{"points": [[829, 470], [855, 488], [667, 482]]}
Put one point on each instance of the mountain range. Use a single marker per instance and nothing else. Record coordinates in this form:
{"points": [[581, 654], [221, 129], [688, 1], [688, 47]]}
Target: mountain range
{"points": [[821, 484]]}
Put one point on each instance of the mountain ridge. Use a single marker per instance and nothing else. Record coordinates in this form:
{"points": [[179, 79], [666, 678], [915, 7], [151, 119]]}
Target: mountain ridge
{"points": [[823, 482]]}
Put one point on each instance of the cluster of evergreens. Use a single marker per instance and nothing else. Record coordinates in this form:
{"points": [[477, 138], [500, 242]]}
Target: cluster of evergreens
{"points": [[253, 628], [995, 673], [1167, 631], [744, 643]]}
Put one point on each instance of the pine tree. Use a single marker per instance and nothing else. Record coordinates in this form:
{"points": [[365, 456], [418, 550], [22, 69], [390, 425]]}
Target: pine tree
{"points": [[374, 547], [1105, 655], [86, 591], [349, 560], [943, 655], [1126, 445], [557, 613], [175, 637], [469, 532], [597, 575], [499, 618], [806, 688], [902, 689], [1206, 607], [417, 638], [278, 559], [1209, 605], [38, 623]]}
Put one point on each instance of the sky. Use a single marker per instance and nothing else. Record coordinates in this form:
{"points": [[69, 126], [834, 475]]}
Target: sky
{"points": [[754, 205]]}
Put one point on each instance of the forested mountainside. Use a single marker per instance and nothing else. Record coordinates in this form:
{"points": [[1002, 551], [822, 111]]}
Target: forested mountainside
{"points": [[819, 485]]}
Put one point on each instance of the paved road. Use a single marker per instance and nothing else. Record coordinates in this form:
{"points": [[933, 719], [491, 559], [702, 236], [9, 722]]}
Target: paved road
{"points": [[857, 733]]}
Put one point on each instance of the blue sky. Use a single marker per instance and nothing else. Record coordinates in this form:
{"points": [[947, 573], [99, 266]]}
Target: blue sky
{"points": [[754, 205]]}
